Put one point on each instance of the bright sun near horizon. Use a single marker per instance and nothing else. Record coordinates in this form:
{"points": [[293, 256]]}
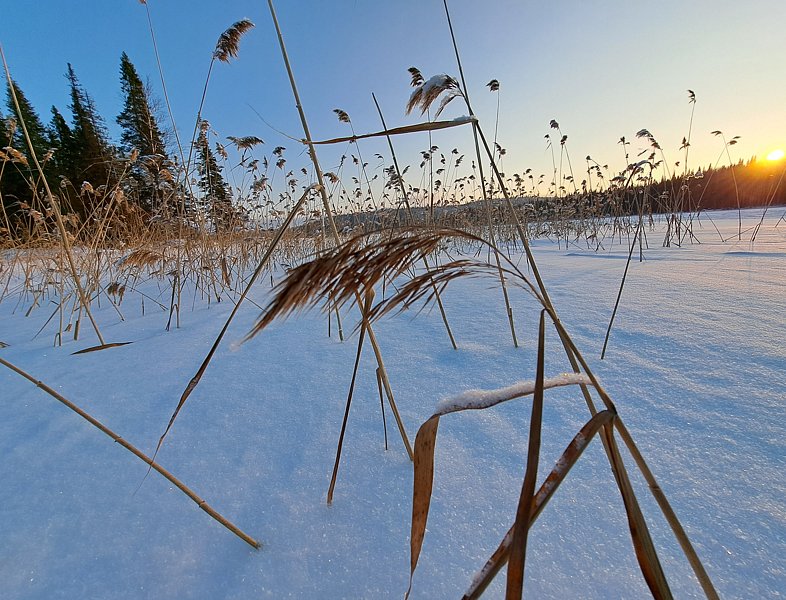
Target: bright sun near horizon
{"points": [[776, 154]]}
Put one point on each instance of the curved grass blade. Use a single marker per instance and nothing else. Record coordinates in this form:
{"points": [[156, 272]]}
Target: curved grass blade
{"points": [[642, 542]]}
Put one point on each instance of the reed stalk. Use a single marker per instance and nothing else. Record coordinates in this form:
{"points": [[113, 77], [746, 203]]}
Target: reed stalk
{"points": [[329, 212], [138, 453], [405, 197]]}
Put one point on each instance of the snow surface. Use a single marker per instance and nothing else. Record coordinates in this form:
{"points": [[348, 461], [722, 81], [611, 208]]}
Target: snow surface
{"points": [[696, 366]]}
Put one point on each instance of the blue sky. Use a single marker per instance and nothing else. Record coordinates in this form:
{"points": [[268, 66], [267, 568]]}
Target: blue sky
{"points": [[603, 69]]}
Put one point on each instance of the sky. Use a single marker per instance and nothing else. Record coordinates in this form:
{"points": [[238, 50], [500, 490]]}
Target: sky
{"points": [[602, 70]]}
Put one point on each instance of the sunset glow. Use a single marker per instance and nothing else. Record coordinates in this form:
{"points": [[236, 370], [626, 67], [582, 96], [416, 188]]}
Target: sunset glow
{"points": [[775, 155]]}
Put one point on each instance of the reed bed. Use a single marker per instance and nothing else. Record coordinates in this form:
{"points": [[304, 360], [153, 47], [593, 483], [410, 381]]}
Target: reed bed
{"points": [[336, 241]]}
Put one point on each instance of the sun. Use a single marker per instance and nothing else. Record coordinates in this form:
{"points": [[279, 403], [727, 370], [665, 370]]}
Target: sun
{"points": [[776, 155]]}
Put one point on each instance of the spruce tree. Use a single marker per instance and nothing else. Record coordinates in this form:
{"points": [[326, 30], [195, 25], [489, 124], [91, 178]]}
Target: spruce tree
{"points": [[21, 181], [61, 139], [141, 133], [217, 198], [35, 128], [93, 155]]}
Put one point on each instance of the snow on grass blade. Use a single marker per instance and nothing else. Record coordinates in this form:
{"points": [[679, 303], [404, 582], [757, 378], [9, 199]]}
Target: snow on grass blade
{"points": [[480, 399], [138, 453], [547, 489], [425, 445]]}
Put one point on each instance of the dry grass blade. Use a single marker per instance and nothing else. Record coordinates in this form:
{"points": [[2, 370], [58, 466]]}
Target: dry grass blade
{"points": [[368, 300], [428, 126], [642, 542], [138, 453], [228, 43], [203, 367], [101, 347], [518, 554], [425, 444], [563, 466], [668, 512]]}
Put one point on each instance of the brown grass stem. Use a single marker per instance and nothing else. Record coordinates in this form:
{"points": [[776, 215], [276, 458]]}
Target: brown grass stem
{"points": [[138, 453], [364, 325], [262, 263], [622, 285], [405, 197], [329, 212], [515, 579]]}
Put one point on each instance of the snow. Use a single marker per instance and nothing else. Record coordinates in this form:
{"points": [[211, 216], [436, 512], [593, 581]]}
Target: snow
{"points": [[696, 367], [478, 399]]}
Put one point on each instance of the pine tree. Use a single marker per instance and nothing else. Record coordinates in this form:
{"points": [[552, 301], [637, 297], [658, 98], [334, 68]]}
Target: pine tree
{"points": [[93, 155], [141, 133]]}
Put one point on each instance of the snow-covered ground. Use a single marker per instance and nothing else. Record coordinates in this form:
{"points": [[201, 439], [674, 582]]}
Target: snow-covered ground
{"points": [[696, 365]]}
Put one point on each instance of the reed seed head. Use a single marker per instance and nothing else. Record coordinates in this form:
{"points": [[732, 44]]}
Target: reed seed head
{"points": [[229, 42]]}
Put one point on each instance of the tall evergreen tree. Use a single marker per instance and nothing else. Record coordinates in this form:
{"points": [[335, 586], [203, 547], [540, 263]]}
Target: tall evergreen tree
{"points": [[21, 181], [94, 156], [217, 197], [35, 128], [141, 133], [61, 139]]}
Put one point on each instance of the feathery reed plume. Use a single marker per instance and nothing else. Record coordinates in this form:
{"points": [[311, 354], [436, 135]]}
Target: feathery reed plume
{"points": [[351, 269], [645, 133], [343, 117], [427, 92], [417, 76], [493, 85], [229, 42], [245, 142]]}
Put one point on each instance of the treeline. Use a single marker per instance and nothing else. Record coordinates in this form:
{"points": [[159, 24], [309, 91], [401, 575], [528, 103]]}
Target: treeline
{"points": [[92, 177], [745, 185]]}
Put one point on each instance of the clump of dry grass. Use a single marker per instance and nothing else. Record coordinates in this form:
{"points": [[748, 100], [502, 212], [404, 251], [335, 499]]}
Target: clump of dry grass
{"points": [[364, 261], [352, 270]]}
